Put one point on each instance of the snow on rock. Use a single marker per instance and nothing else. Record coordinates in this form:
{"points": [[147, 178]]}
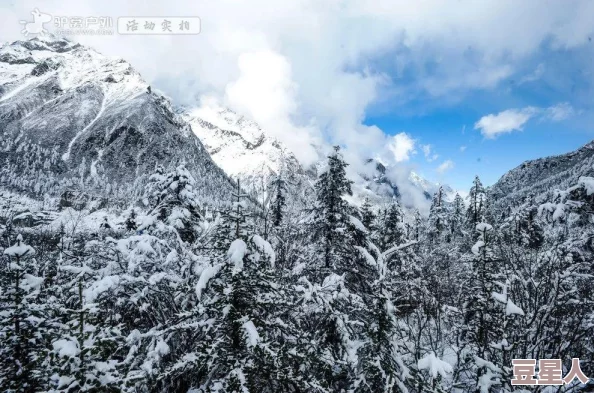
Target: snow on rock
{"points": [[20, 249], [237, 251], [265, 247], [252, 336], [208, 273], [434, 365], [476, 249]]}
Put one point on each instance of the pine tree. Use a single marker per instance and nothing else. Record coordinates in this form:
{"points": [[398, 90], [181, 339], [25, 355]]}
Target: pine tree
{"points": [[456, 217], [392, 231], [483, 316], [131, 224], [174, 202], [332, 210], [437, 217], [24, 324], [476, 207], [234, 221], [367, 215], [279, 203]]}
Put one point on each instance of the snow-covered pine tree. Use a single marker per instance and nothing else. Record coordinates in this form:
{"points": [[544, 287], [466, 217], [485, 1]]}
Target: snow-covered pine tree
{"points": [[392, 231], [381, 365], [24, 330], [234, 221], [522, 226], [476, 203], [417, 229], [437, 217], [279, 188], [483, 315], [331, 211], [131, 224], [368, 216], [456, 218], [174, 202], [89, 343], [336, 283]]}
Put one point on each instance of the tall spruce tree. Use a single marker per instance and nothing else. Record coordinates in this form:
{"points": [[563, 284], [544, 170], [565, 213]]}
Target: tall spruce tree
{"points": [[476, 203], [279, 188], [331, 209]]}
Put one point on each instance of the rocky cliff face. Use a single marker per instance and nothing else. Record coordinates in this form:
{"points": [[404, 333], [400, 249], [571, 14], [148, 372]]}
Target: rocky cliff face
{"points": [[544, 175], [71, 117]]}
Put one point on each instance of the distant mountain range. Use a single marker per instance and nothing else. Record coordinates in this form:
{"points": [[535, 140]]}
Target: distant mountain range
{"points": [[71, 117]]}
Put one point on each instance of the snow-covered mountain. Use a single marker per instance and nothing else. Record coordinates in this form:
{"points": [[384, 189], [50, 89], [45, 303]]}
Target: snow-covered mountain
{"points": [[73, 118], [242, 149], [543, 175], [245, 151], [88, 121]]}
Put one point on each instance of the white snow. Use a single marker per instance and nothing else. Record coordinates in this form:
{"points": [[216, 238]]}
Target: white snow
{"points": [[368, 257], [358, 224], [237, 251], [434, 365], [66, 348], [208, 273], [265, 247], [559, 211], [501, 297], [100, 286], [482, 227], [162, 348], [253, 338], [511, 308], [476, 249], [20, 249], [31, 282], [588, 183]]}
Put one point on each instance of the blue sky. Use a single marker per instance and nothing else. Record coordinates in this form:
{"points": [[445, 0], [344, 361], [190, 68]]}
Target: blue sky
{"points": [[550, 78]]}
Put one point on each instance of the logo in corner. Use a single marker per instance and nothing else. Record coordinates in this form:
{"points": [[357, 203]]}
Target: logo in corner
{"points": [[36, 27]]}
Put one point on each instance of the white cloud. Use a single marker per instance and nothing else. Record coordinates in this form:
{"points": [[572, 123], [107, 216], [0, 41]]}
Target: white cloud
{"points": [[462, 148], [320, 55], [535, 75], [427, 149], [402, 147], [509, 120], [266, 91], [560, 111], [445, 166]]}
